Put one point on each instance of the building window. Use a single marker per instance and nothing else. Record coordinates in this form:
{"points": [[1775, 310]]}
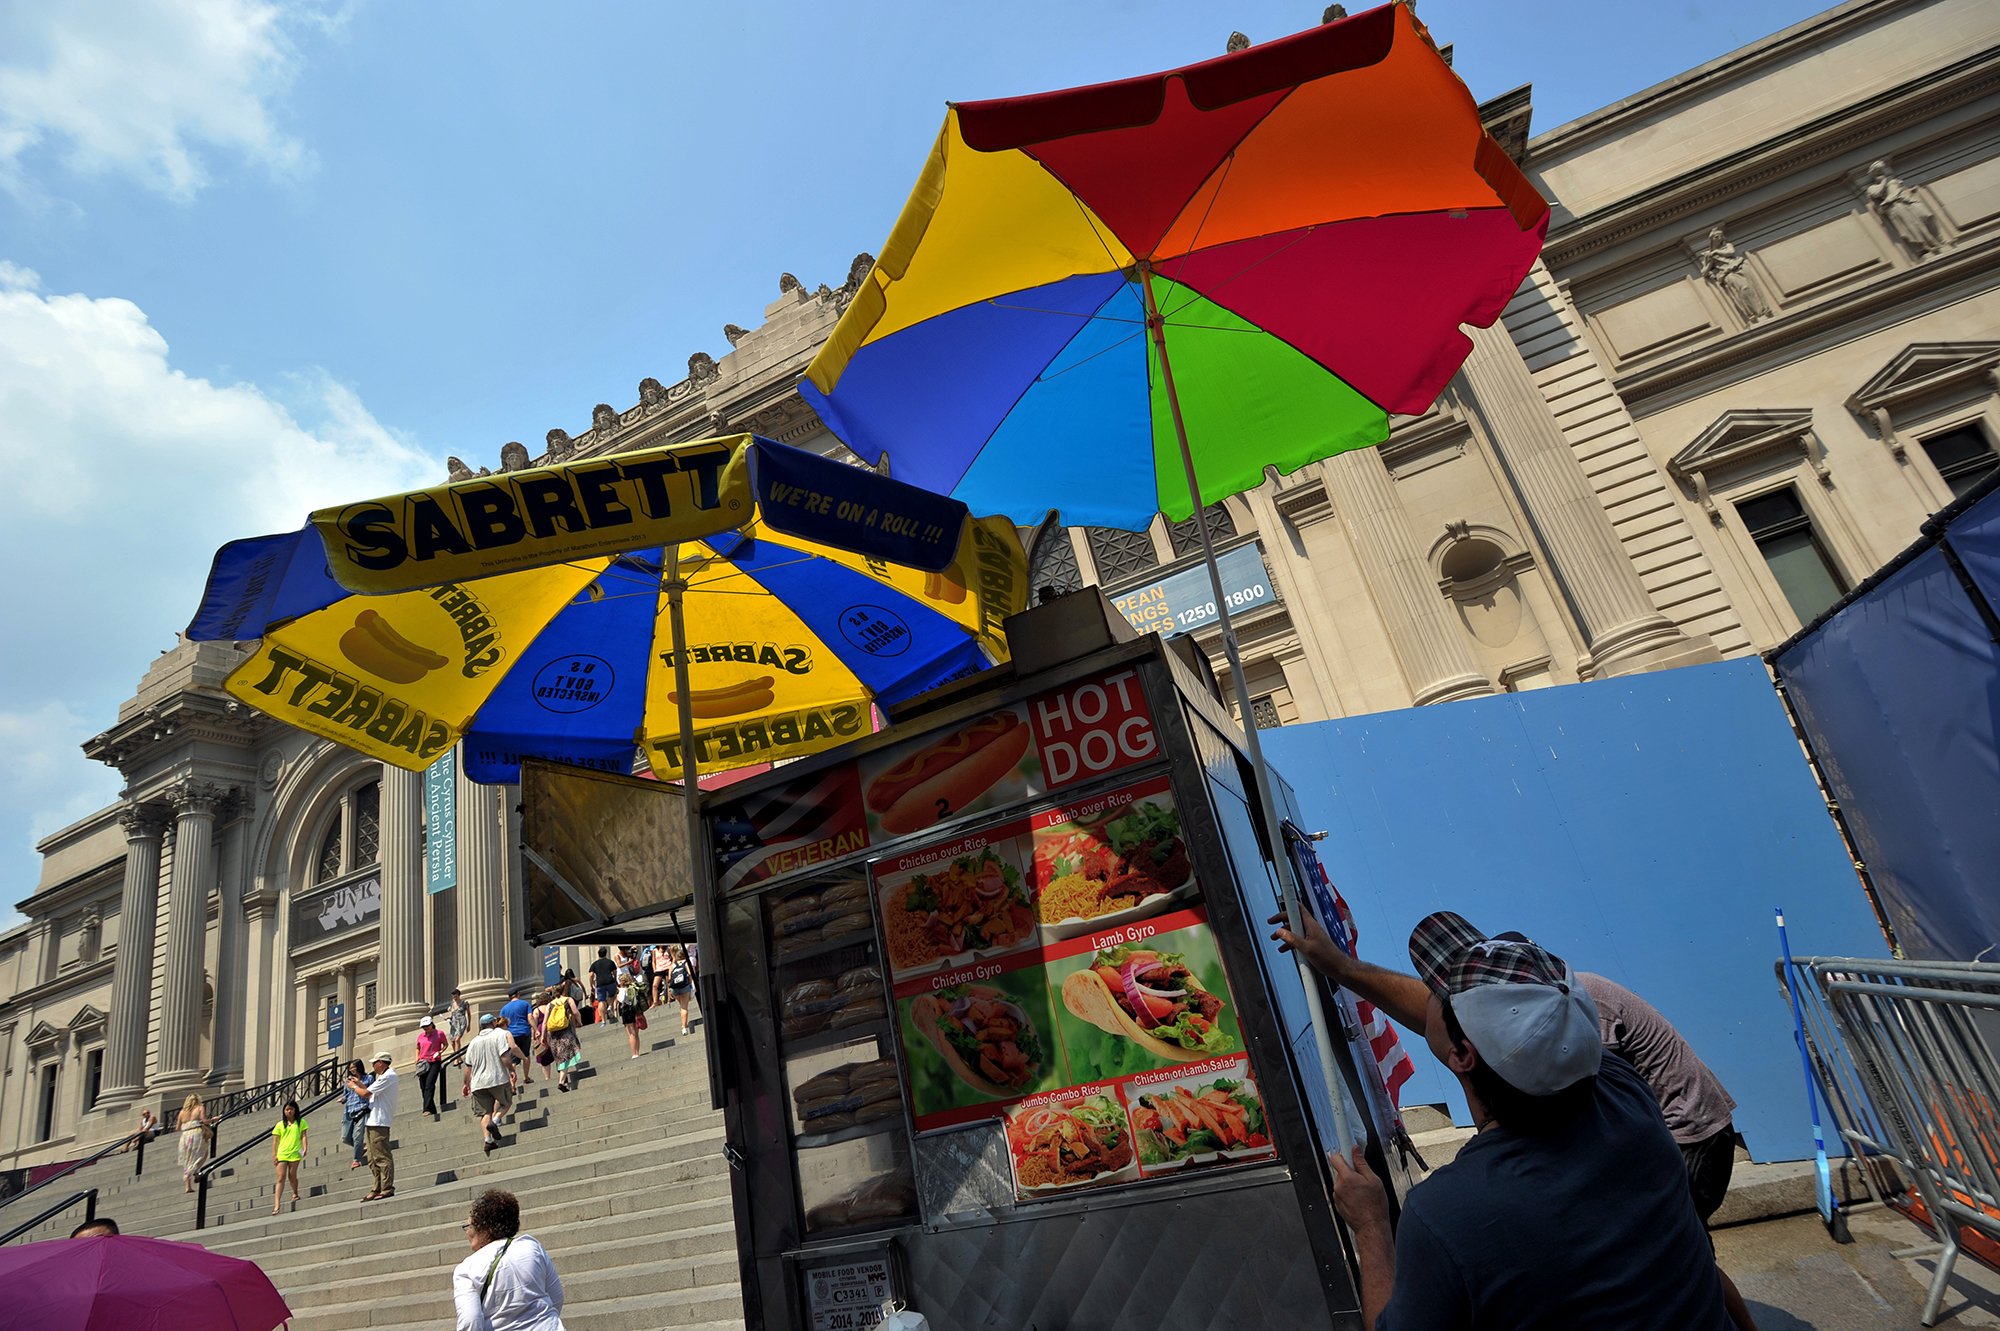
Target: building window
{"points": [[1185, 537], [1120, 554], [329, 853], [1264, 711], [368, 1001], [93, 1077], [367, 826], [353, 837], [45, 1104], [1052, 564], [1784, 535], [1964, 457]]}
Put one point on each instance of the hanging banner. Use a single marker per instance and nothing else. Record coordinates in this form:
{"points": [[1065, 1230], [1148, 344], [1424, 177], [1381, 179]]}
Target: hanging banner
{"points": [[336, 1025], [551, 964], [1185, 601], [441, 823]]}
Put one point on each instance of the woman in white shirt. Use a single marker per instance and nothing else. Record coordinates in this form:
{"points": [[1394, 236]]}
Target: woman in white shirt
{"points": [[508, 1283]]}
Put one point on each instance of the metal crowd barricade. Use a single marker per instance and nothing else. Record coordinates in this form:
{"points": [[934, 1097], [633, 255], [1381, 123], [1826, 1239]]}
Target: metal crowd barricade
{"points": [[1919, 1040], [1845, 1091]]}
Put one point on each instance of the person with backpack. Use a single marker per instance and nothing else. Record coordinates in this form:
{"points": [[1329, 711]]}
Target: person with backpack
{"points": [[680, 981], [632, 1008], [604, 982], [560, 1027]]}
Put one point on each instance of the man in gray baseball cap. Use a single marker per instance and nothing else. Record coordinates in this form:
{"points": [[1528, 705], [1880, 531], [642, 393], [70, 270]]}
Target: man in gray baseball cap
{"points": [[1569, 1206]]}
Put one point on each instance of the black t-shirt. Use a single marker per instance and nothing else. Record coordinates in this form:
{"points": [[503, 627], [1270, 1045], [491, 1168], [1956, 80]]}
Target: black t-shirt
{"points": [[1591, 1226], [605, 972]]}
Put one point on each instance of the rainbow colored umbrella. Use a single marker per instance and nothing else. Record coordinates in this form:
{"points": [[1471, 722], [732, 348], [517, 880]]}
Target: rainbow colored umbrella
{"points": [[1303, 226], [1132, 298]]}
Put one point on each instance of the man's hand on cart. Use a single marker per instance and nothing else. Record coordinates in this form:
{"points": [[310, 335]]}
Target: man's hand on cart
{"points": [[1320, 952], [1362, 1201], [1403, 997]]}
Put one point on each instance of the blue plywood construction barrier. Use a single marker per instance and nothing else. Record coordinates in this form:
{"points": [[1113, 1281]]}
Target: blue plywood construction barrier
{"points": [[1642, 828]]}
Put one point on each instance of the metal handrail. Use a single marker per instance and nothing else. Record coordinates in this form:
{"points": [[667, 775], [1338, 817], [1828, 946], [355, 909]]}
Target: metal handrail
{"points": [[204, 1176], [88, 1197], [74, 1165], [272, 1094]]}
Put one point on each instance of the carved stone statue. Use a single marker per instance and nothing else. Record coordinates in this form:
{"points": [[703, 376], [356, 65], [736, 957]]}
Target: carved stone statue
{"points": [[1237, 42], [458, 471], [1333, 12], [514, 456], [702, 367], [1723, 268], [651, 392], [1904, 211], [857, 272], [603, 419], [788, 284], [561, 446], [734, 334]]}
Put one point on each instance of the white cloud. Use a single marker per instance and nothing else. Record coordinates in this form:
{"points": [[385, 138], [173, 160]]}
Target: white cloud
{"points": [[147, 89], [122, 476]]}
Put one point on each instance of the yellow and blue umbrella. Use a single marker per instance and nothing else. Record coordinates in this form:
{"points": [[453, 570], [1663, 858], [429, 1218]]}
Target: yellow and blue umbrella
{"points": [[532, 614]]}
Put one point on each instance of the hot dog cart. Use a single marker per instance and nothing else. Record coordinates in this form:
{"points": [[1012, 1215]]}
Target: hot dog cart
{"points": [[1000, 1032]]}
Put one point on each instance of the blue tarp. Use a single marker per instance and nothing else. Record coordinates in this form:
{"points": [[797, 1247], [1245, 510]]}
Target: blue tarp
{"points": [[1899, 692], [1642, 828]]}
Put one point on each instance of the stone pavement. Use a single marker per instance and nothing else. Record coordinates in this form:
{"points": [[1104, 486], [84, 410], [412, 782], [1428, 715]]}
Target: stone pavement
{"points": [[1796, 1278]]}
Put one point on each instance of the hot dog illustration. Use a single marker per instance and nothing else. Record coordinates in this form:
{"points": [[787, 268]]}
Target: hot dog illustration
{"points": [[948, 586], [375, 646], [946, 775], [751, 695]]}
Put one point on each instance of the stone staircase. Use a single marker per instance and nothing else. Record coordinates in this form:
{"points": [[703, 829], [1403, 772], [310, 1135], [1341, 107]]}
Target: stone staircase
{"points": [[622, 1180]]}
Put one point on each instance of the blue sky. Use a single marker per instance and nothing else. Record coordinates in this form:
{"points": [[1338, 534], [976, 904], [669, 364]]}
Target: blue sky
{"points": [[257, 255]]}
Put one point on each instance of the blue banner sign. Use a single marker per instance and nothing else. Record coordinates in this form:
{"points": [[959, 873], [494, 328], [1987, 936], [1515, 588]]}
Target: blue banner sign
{"points": [[336, 1025], [1185, 601], [551, 964], [441, 823]]}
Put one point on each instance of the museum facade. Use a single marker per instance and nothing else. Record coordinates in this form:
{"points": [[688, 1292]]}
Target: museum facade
{"points": [[1761, 346]]}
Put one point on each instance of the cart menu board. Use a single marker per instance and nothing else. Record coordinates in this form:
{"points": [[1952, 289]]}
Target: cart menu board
{"points": [[1003, 759], [1048, 955]]}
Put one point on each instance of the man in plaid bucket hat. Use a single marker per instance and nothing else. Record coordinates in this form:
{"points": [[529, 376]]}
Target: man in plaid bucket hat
{"points": [[1569, 1206]]}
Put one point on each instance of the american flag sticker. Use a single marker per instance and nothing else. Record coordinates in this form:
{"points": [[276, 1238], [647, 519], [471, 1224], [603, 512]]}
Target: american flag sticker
{"points": [[803, 823]]}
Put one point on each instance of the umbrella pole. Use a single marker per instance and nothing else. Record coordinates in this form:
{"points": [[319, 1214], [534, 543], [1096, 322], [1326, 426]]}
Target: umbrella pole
{"points": [[1281, 858], [707, 920]]}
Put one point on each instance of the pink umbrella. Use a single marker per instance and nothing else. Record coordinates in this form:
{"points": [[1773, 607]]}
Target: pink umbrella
{"points": [[127, 1283]]}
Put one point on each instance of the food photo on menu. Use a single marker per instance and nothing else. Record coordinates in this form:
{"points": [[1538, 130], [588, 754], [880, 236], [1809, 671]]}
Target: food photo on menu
{"points": [[1070, 1139], [986, 763], [943, 906], [1116, 857], [1202, 1118], [1131, 1007], [979, 1042]]}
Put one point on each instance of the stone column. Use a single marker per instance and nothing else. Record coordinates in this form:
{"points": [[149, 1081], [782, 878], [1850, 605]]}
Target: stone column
{"points": [[1626, 633], [231, 963], [525, 960], [196, 804], [1428, 639], [262, 1009], [343, 994], [400, 954], [482, 937], [132, 977]]}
